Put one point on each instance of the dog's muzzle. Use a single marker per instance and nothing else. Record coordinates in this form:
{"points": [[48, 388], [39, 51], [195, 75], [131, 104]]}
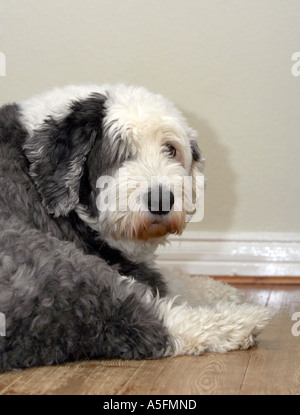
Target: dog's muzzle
{"points": [[161, 219]]}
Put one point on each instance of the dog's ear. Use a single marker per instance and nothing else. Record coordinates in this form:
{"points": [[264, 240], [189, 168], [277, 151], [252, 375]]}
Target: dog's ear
{"points": [[196, 154], [197, 174], [198, 163], [57, 152]]}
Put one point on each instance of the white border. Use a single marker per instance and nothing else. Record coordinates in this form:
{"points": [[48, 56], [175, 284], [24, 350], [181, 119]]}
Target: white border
{"points": [[230, 254]]}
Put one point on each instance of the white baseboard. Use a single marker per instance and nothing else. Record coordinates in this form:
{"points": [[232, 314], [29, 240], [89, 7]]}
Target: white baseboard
{"points": [[230, 254]]}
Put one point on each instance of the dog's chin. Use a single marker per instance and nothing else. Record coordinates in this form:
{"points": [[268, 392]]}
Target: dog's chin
{"points": [[154, 230], [146, 227], [158, 228]]}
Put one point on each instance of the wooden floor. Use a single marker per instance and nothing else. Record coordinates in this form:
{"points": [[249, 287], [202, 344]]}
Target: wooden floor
{"points": [[273, 367]]}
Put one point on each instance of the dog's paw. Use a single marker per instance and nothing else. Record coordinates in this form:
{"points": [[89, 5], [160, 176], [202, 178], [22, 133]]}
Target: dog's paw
{"points": [[224, 327], [238, 326]]}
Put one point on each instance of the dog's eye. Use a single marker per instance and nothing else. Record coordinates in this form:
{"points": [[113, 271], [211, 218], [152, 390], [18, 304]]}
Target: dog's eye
{"points": [[171, 150]]}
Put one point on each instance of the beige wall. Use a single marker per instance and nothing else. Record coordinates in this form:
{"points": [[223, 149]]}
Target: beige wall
{"points": [[226, 64]]}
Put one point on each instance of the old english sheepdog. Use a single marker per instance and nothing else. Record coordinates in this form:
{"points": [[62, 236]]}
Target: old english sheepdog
{"points": [[92, 180]]}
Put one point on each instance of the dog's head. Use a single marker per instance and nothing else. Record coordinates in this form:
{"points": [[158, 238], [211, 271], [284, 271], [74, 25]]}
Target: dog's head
{"points": [[121, 157]]}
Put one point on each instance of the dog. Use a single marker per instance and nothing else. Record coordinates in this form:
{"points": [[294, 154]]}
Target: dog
{"points": [[78, 278]]}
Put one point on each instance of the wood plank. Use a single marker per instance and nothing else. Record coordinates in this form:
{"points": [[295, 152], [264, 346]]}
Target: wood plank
{"points": [[274, 368], [93, 377], [206, 374], [188, 375], [100, 377]]}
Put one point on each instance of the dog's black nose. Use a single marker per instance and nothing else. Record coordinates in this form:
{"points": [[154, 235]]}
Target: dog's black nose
{"points": [[160, 201]]}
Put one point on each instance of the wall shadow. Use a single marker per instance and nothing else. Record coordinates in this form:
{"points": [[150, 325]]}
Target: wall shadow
{"points": [[220, 193]]}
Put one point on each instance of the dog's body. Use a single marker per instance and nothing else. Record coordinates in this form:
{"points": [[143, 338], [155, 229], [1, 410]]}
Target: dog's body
{"points": [[78, 283]]}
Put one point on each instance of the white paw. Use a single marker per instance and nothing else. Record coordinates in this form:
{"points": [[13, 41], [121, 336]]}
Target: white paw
{"points": [[237, 326], [224, 327]]}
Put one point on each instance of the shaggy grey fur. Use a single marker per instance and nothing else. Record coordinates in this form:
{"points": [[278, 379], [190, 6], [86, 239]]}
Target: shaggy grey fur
{"points": [[60, 285]]}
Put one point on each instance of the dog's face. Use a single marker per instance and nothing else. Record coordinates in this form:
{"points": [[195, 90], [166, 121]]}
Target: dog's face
{"points": [[157, 150], [122, 160]]}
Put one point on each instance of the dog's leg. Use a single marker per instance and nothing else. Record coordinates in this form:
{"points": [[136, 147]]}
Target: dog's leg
{"points": [[61, 305], [209, 315], [227, 326], [194, 330], [199, 290]]}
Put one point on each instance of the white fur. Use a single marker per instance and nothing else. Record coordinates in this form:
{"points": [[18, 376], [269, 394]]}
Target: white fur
{"points": [[141, 123], [224, 327], [54, 103]]}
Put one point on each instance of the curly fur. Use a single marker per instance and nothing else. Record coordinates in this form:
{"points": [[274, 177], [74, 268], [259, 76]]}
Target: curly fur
{"points": [[72, 284]]}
